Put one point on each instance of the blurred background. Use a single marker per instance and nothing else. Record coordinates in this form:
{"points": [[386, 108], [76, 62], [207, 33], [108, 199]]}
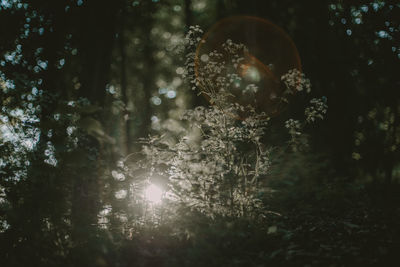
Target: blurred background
{"points": [[83, 81]]}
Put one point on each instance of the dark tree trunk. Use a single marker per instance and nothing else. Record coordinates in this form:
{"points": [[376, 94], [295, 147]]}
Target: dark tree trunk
{"points": [[124, 89], [97, 34], [148, 82], [221, 10], [188, 14]]}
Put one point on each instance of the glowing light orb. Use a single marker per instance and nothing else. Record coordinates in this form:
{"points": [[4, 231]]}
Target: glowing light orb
{"points": [[153, 194], [251, 73]]}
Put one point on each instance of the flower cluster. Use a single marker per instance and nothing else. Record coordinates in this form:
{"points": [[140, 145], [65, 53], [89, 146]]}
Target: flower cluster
{"points": [[216, 73], [295, 80], [219, 170], [193, 36], [317, 110], [298, 140], [294, 127], [219, 163], [233, 48]]}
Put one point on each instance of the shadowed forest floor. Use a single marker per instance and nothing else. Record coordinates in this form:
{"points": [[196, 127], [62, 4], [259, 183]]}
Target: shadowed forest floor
{"points": [[357, 228]]}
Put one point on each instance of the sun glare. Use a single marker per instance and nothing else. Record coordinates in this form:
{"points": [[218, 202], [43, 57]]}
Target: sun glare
{"points": [[153, 194]]}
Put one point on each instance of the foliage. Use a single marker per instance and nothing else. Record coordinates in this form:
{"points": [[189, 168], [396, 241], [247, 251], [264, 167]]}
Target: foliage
{"points": [[84, 83], [219, 165]]}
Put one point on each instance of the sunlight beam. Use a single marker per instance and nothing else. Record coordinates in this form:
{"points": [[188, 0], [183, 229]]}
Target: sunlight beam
{"points": [[153, 194]]}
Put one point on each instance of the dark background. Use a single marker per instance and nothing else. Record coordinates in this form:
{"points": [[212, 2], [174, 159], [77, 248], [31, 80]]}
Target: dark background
{"points": [[96, 66]]}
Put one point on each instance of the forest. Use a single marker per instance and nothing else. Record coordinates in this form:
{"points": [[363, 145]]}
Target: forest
{"points": [[199, 133]]}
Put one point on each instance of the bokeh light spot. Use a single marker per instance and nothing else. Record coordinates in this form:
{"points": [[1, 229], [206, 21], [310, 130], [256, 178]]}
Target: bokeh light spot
{"points": [[153, 194]]}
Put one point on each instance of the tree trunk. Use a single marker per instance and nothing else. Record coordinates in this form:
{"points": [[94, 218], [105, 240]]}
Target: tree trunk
{"points": [[124, 90], [97, 38]]}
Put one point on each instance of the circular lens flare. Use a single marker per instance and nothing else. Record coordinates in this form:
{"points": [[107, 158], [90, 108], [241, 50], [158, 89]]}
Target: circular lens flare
{"points": [[153, 194], [269, 54]]}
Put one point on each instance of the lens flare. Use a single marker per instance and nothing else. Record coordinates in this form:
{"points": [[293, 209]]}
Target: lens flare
{"points": [[270, 54], [153, 194]]}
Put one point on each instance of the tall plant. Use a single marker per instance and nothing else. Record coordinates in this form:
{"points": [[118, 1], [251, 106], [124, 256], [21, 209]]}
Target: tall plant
{"points": [[219, 163]]}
